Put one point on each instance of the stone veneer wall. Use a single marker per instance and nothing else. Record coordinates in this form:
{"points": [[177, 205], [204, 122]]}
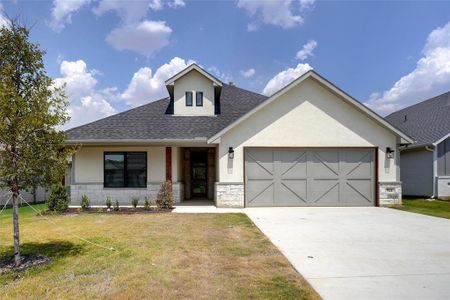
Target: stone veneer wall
{"points": [[390, 193], [229, 194], [443, 186], [232, 194], [97, 193]]}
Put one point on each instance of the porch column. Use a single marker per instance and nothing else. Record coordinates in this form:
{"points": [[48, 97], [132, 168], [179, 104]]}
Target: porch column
{"points": [[169, 164]]}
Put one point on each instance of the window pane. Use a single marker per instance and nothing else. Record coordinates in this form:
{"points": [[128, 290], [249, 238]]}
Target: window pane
{"points": [[199, 98], [188, 98], [114, 170], [136, 170]]}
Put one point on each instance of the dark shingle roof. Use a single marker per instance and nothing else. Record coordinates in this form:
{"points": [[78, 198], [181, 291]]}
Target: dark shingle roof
{"points": [[427, 122], [151, 121]]}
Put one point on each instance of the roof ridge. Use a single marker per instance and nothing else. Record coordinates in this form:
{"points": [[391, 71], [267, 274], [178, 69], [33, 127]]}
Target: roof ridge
{"points": [[117, 114]]}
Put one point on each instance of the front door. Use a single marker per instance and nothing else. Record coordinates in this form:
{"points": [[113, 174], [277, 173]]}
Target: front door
{"points": [[199, 173]]}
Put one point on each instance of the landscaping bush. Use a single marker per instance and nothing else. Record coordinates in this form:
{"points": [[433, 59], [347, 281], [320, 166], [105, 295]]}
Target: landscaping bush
{"points": [[116, 205], [58, 200], [134, 201], [164, 199], [146, 204], [108, 203], [85, 202]]}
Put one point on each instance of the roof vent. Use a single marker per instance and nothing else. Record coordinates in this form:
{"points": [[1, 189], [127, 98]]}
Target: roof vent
{"points": [[231, 83], [405, 119]]}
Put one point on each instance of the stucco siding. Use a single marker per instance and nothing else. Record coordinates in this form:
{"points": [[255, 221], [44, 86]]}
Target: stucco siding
{"points": [[309, 115], [416, 172], [193, 82], [88, 171], [88, 163]]}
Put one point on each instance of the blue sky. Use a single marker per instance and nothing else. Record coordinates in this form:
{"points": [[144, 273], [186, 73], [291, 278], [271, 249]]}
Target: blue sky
{"points": [[114, 55]]}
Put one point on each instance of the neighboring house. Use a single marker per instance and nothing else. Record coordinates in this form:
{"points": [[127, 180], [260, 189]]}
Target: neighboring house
{"points": [[425, 165], [309, 144]]}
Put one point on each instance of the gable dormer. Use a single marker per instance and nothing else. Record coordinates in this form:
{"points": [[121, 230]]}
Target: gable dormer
{"points": [[194, 92]]}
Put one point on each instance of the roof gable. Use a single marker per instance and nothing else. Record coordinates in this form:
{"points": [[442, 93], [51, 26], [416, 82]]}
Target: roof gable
{"points": [[312, 74], [190, 68]]}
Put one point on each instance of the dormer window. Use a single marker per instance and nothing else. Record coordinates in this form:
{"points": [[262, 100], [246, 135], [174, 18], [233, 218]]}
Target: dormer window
{"points": [[188, 98], [199, 98]]}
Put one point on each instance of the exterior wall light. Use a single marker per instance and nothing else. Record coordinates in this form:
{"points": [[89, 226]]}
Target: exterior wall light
{"points": [[389, 152], [230, 153]]}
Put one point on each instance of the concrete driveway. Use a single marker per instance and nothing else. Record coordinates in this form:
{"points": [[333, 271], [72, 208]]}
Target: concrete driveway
{"points": [[363, 253]]}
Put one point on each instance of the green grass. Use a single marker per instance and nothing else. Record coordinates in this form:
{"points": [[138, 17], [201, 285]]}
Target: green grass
{"points": [[24, 211], [157, 256], [436, 208]]}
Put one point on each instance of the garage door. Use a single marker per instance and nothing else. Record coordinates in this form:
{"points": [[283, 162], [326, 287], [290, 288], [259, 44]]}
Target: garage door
{"points": [[309, 177]]}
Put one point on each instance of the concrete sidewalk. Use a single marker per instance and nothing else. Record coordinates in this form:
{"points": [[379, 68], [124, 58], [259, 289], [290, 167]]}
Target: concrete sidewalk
{"points": [[202, 206]]}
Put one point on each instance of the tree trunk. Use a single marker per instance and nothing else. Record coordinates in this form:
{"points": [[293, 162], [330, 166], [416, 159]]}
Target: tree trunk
{"points": [[17, 259]]}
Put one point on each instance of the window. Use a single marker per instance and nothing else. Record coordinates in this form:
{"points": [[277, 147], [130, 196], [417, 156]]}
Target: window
{"points": [[199, 98], [188, 98], [125, 169]]}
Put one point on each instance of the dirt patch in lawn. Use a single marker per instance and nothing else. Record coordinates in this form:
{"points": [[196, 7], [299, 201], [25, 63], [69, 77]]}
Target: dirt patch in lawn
{"points": [[157, 256], [27, 261]]}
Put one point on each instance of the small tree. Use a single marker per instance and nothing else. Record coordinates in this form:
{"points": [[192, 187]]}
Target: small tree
{"points": [[116, 206], [31, 109], [58, 200], [108, 202], [164, 199], [85, 202], [134, 201], [146, 204]]}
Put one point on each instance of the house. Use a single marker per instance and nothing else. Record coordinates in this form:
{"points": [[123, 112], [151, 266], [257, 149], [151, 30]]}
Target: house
{"points": [[309, 144], [425, 165]]}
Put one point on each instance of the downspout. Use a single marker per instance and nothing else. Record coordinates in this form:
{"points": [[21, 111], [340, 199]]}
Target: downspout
{"points": [[434, 150]]}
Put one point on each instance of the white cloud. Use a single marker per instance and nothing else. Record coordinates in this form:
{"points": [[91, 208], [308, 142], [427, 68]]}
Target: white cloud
{"points": [[222, 76], [3, 20], [87, 103], [133, 11], [284, 78], [283, 13], [62, 11], [306, 5], [145, 87], [430, 77], [307, 50], [144, 38], [248, 73], [135, 32]]}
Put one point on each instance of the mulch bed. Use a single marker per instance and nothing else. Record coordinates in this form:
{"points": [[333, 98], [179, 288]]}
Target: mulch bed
{"points": [[122, 210], [28, 261]]}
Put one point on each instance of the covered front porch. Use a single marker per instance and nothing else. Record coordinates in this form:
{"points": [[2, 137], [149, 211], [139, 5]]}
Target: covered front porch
{"points": [[122, 172]]}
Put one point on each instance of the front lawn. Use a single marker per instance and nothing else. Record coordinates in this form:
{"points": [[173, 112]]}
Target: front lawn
{"points": [[166, 255], [437, 208]]}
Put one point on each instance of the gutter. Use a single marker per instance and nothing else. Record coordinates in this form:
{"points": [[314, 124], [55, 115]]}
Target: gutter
{"points": [[199, 140], [434, 150]]}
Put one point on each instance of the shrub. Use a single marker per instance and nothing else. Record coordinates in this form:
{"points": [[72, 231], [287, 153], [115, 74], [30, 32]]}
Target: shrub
{"points": [[146, 204], [164, 199], [58, 200], [108, 202], [85, 202], [134, 201], [116, 205]]}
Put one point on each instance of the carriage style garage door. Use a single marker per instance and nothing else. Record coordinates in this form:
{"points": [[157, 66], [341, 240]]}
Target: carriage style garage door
{"points": [[309, 177]]}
